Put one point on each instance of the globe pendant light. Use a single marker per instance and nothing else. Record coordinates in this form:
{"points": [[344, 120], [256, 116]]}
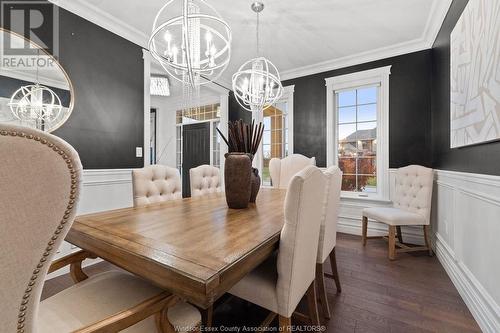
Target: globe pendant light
{"points": [[192, 43], [257, 83], [36, 103]]}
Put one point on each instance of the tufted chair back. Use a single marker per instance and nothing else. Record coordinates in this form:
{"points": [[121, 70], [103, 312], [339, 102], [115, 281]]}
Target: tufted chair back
{"points": [[205, 179], [413, 190], [156, 183], [330, 216], [299, 237], [283, 170], [39, 190]]}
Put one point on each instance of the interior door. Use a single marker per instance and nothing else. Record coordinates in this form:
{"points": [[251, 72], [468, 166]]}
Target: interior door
{"points": [[195, 151]]}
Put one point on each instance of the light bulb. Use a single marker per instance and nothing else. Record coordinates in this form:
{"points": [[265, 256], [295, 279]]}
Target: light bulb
{"points": [[208, 36], [175, 50], [167, 36]]}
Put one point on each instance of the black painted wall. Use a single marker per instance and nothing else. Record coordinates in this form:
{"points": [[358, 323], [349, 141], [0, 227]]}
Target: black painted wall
{"points": [[409, 109], [483, 158], [107, 72], [236, 112]]}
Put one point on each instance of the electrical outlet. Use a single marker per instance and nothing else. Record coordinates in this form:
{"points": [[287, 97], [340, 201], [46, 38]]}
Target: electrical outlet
{"points": [[138, 151]]}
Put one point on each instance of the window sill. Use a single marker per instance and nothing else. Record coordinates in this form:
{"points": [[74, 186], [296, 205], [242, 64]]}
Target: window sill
{"points": [[365, 199]]}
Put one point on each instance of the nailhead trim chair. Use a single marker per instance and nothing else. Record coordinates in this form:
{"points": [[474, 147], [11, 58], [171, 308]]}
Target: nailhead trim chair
{"points": [[412, 206], [156, 183], [281, 171], [39, 190], [281, 281], [328, 236], [204, 179]]}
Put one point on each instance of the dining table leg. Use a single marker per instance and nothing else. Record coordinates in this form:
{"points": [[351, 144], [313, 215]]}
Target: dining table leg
{"points": [[207, 316]]}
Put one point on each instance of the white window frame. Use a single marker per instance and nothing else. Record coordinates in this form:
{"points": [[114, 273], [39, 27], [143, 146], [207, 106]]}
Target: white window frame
{"points": [[287, 97], [378, 76]]}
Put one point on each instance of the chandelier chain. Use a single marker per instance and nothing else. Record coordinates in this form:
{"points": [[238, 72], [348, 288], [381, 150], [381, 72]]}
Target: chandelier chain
{"points": [[257, 34]]}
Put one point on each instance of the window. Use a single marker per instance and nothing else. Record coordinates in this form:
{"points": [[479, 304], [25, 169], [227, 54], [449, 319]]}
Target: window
{"points": [[274, 137], [357, 131], [357, 138], [277, 138]]}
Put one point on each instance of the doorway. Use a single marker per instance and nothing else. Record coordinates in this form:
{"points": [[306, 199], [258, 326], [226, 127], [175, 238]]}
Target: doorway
{"points": [[195, 151]]}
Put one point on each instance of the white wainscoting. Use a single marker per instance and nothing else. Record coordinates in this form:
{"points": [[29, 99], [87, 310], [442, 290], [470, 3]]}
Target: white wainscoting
{"points": [[466, 224], [351, 211], [101, 190]]}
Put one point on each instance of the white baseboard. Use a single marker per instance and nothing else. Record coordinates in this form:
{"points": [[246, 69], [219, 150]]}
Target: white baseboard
{"points": [[465, 221], [479, 302]]}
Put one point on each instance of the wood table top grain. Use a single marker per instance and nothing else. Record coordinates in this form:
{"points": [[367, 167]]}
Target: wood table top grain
{"points": [[196, 248]]}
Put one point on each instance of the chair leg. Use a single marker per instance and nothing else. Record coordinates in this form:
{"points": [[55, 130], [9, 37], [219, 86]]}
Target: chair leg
{"points": [[400, 235], [312, 304], [335, 272], [365, 229], [392, 242], [285, 324], [320, 281], [427, 239]]}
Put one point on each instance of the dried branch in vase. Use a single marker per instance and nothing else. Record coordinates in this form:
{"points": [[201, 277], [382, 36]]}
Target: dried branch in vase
{"points": [[242, 137]]}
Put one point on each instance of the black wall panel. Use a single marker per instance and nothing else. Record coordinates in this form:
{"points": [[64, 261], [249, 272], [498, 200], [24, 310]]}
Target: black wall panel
{"points": [[108, 77], [483, 158], [409, 109]]}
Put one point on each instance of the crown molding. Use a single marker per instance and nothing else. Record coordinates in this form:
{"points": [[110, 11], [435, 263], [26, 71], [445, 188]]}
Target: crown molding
{"points": [[438, 12], [104, 20]]}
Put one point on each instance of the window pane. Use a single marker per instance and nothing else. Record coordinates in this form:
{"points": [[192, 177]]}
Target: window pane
{"points": [[266, 150], [367, 131], [347, 98], [367, 166], [347, 165], [367, 184], [347, 115], [367, 112], [347, 133], [367, 95], [267, 123], [266, 137], [348, 183]]}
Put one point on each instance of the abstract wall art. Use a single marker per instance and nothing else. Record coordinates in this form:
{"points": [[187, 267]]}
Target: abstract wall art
{"points": [[475, 75]]}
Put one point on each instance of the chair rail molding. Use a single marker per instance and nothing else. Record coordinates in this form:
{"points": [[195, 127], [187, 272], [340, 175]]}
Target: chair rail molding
{"points": [[102, 189], [465, 222]]}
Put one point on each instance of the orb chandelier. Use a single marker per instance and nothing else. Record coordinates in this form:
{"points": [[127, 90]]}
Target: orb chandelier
{"points": [[257, 83], [192, 42], [35, 102]]}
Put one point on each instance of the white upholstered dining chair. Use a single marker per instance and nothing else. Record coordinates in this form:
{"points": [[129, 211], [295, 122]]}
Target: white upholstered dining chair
{"points": [[156, 183], [328, 236], [281, 281], [204, 179], [40, 177], [282, 170], [411, 207]]}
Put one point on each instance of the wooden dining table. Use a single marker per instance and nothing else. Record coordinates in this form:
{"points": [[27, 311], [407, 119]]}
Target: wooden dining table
{"points": [[196, 248]]}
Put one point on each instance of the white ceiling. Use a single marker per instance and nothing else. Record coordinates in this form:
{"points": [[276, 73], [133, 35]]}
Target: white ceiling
{"points": [[299, 37]]}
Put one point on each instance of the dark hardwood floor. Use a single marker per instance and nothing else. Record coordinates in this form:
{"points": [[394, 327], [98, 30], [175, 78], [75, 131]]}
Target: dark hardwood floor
{"points": [[411, 294]]}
